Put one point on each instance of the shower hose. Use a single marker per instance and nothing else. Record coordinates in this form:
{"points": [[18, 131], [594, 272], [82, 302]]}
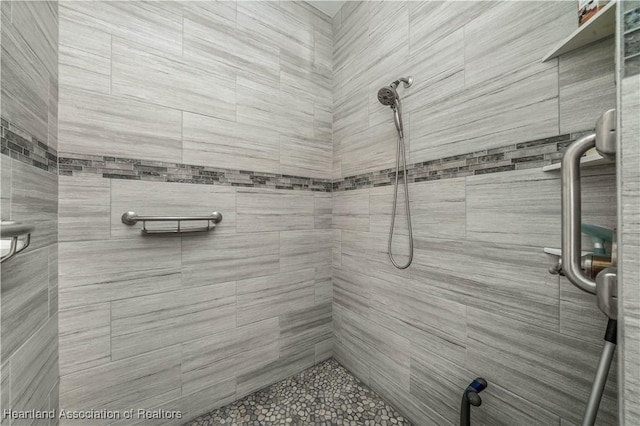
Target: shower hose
{"points": [[400, 148]]}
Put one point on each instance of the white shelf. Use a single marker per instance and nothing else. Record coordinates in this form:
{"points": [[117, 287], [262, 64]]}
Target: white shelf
{"points": [[587, 160], [602, 25]]}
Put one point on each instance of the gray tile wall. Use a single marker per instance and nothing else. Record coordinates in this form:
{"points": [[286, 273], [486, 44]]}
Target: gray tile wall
{"points": [[29, 182], [629, 272], [192, 323], [243, 86], [493, 79], [215, 316], [478, 299], [480, 303]]}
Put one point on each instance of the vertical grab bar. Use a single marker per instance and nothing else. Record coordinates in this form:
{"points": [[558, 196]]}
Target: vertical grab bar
{"points": [[604, 140], [604, 286], [572, 214]]}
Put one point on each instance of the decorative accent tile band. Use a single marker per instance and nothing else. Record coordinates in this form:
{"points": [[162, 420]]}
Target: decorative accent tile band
{"points": [[148, 170], [525, 155], [20, 145], [23, 147]]}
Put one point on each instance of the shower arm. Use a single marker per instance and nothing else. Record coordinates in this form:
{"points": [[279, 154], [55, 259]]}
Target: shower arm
{"points": [[406, 81], [604, 140]]}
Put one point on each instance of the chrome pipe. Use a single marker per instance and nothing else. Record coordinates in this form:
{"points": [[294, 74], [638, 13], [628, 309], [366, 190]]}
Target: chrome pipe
{"points": [[599, 382], [406, 82], [572, 214], [10, 229], [602, 372]]}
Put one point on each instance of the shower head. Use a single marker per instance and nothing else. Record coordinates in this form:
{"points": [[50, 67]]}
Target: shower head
{"points": [[388, 96]]}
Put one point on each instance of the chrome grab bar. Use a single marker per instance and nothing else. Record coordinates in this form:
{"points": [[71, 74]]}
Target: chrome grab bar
{"points": [[572, 213], [604, 141], [605, 284], [13, 231], [132, 218]]}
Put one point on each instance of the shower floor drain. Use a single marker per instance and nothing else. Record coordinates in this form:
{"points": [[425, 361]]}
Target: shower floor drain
{"points": [[326, 394]]}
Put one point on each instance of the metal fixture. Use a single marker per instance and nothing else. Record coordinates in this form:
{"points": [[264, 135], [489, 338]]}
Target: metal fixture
{"points": [[602, 372], [580, 269], [590, 263], [11, 233], [471, 397], [388, 95], [571, 198], [131, 218]]}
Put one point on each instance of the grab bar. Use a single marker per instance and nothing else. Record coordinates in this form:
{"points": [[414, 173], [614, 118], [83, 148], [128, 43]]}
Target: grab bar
{"points": [[604, 140], [572, 213], [10, 230], [132, 218], [605, 284]]}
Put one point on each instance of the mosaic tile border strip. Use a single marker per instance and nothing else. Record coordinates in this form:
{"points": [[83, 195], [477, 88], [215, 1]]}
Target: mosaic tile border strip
{"points": [[20, 145], [160, 171], [632, 42], [23, 147], [525, 155]]}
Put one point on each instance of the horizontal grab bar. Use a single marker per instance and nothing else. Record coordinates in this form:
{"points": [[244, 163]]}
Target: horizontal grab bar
{"points": [[10, 230], [152, 232], [131, 218]]}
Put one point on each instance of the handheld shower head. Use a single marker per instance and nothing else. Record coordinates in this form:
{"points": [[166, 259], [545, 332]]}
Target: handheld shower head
{"points": [[388, 96]]}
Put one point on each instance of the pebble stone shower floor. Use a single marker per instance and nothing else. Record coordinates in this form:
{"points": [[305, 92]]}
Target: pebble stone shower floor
{"points": [[326, 394]]}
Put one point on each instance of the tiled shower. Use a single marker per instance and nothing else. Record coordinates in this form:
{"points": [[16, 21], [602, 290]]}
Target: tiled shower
{"points": [[267, 113]]}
